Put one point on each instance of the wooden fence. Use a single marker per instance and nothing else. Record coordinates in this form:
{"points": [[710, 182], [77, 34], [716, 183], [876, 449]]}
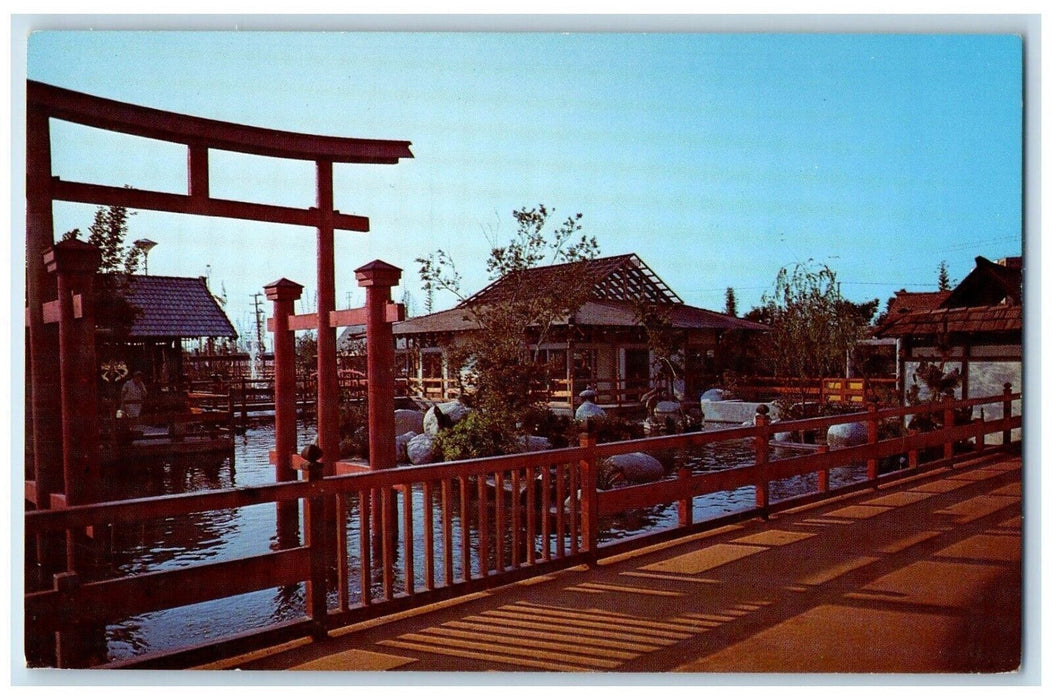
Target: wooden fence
{"points": [[428, 533]]}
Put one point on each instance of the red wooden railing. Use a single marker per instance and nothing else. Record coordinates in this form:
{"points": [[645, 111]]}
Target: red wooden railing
{"points": [[481, 523]]}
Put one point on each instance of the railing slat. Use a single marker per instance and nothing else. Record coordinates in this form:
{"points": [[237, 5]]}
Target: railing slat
{"points": [[516, 519], [483, 520], [342, 566], [429, 538], [365, 498], [447, 533], [465, 531], [545, 514], [531, 516], [407, 539], [498, 533]]}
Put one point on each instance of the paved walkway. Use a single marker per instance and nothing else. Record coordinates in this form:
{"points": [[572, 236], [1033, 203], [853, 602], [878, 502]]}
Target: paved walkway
{"points": [[920, 577]]}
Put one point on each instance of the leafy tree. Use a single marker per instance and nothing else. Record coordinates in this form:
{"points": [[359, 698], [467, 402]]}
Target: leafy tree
{"points": [[944, 278], [501, 360], [663, 340], [107, 233], [730, 306], [812, 326], [306, 353]]}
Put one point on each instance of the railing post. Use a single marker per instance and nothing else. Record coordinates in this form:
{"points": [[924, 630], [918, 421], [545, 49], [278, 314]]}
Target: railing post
{"points": [[1006, 435], [685, 505], [823, 474], [314, 526], [872, 436], [947, 425], [589, 495], [762, 445], [980, 438]]}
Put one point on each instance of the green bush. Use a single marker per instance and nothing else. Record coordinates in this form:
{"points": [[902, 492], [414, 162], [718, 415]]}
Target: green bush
{"points": [[479, 434]]}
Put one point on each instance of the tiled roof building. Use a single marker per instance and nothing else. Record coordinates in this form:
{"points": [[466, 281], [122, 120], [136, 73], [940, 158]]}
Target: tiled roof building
{"points": [[175, 307]]}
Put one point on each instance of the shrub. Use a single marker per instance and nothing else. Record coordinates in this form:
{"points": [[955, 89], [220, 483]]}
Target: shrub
{"points": [[479, 434]]}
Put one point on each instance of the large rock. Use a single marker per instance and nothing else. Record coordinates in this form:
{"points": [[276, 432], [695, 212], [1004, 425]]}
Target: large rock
{"points": [[589, 410], [421, 449], [402, 444], [846, 435], [444, 415], [408, 420], [534, 443], [633, 468], [715, 395]]}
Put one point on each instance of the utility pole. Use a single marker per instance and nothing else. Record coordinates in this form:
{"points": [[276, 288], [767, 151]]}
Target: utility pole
{"points": [[260, 340]]}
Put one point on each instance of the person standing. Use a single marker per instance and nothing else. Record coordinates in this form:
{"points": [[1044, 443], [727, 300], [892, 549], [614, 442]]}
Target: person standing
{"points": [[133, 398]]}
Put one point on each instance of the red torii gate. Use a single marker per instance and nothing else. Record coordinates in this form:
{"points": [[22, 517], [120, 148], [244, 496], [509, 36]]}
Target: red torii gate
{"points": [[50, 367], [377, 316]]}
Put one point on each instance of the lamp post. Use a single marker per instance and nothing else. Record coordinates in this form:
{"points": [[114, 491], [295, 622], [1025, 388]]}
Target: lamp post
{"points": [[145, 245]]}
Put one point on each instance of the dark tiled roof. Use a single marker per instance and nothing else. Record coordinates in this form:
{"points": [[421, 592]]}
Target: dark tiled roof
{"points": [[442, 322], [907, 302], [1002, 318], [986, 301], [989, 283], [615, 278], [176, 307]]}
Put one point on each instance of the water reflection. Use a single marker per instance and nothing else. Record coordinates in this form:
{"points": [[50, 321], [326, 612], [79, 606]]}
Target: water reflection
{"points": [[168, 543]]}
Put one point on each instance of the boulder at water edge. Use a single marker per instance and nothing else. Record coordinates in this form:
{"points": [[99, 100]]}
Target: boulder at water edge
{"points": [[401, 445], [634, 468], [407, 419], [534, 443], [715, 395], [444, 415], [589, 410], [421, 449], [846, 435]]}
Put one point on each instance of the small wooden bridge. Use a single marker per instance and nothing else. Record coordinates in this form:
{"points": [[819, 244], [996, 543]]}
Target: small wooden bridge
{"points": [[923, 576], [439, 532]]}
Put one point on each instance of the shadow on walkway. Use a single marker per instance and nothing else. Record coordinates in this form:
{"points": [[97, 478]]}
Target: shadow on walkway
{"points": [[920, 577]]}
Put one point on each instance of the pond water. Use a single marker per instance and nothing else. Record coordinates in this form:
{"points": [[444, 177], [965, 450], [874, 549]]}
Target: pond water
{"points": [[170, 543]]}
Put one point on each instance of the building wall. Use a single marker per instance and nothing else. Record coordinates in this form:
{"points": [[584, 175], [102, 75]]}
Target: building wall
{"points": [[985, 369]]}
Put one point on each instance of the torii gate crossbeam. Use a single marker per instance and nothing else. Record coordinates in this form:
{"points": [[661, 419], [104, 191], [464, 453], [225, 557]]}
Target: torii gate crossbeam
{"points": [[200, 136]]}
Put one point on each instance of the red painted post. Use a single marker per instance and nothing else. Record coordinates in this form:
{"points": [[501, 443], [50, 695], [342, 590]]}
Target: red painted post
{"points": [[947, 424], [980, 438], [314, 520], [328, 386], [762, 445], [378, 277], [823, 474], [872, 436], [75, 263], [589, 497], [685, 506], [1006, 435], [42, 360], [284, 294]]}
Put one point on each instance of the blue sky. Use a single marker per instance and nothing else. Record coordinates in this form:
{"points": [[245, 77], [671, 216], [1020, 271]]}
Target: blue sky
{"points": [[718, 158]]}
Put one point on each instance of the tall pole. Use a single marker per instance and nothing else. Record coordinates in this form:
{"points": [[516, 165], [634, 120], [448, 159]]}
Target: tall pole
{"points": [[328, 387], [42, 356]]}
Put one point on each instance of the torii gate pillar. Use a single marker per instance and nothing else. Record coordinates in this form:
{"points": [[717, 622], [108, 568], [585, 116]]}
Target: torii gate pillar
{"points": [[378, 278], [75, 263], [284, 293]]}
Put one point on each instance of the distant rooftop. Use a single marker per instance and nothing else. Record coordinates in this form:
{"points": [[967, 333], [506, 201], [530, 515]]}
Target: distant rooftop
{"points": [[987, 300]]}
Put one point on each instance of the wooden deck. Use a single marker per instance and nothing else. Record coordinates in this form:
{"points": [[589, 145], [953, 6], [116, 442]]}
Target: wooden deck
{"points": [[922, 576]]}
